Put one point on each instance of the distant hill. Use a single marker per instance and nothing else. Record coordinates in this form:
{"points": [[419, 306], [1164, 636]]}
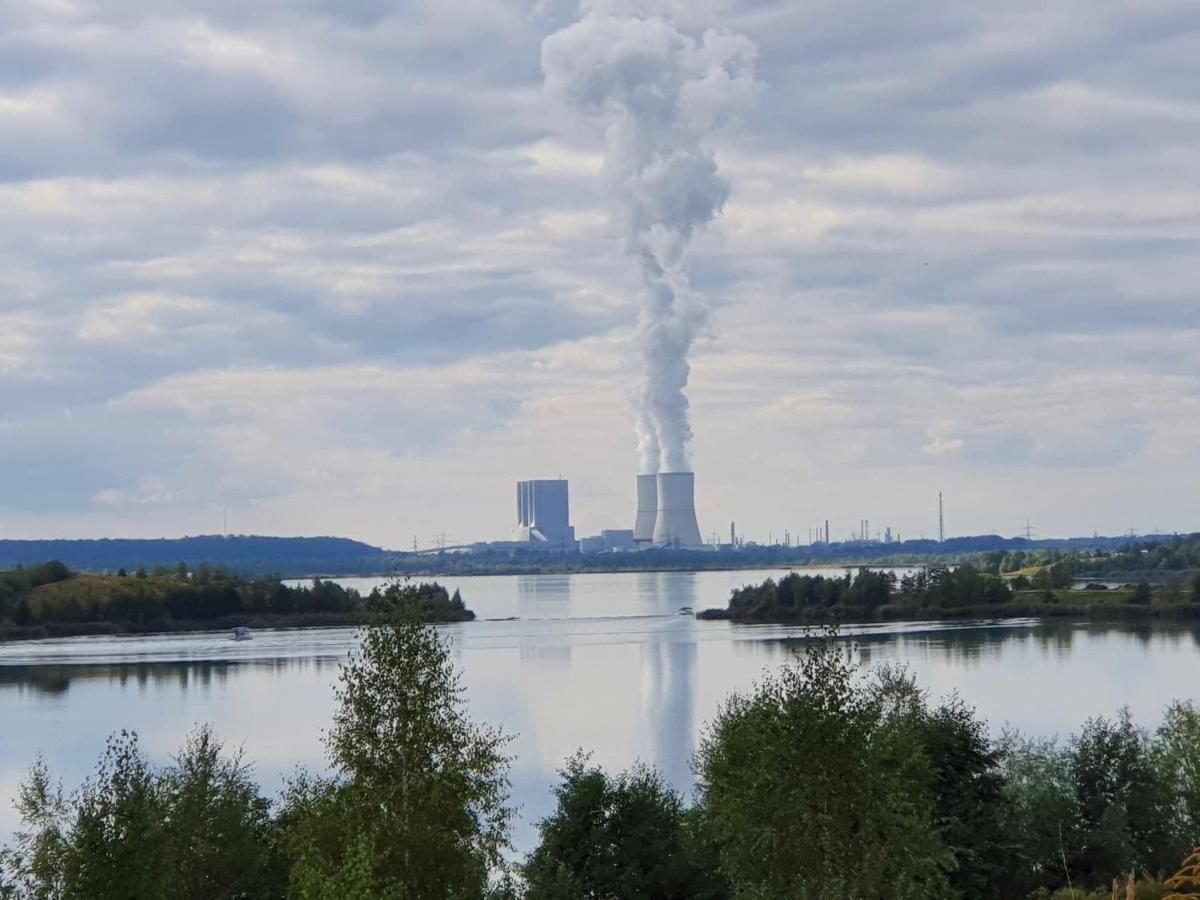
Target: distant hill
{"points": [[245, 555], [251, 556]]}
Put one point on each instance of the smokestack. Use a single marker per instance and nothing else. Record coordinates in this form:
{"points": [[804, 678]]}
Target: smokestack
{"points": [[647, 509], [675, 525]]}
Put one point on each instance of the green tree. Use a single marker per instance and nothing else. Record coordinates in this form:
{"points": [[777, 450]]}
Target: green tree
{"points": [[810, 791], [1123, 810], [622, 836], [33, 868], [1143, 594], [196, 830], [1043, 811], [218, 825], [1176, 756], [970, 806], [420, 791], [117, 842], [426, 602]]}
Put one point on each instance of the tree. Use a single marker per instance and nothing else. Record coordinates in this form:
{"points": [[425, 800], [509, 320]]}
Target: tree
{"points": [[218, 825], [810, 791], [197, 830], [34, 867], [1043, 811], [1176, 757], [1123, 811], [623, 836], [426, 602], [970, 806], [117, 844], [1143, 594], [417, 806], [48, 573]]}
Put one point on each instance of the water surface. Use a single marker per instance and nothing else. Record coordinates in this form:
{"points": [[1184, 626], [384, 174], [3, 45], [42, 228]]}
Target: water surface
{"points": [[595, 661]]}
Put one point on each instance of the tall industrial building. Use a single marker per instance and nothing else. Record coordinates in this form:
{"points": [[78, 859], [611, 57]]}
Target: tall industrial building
{"points": [[544, 514], [666, 511]]}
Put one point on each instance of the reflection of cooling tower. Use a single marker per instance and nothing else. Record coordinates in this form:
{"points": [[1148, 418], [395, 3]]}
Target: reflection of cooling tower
{"points": [[647, 508], [675, 525]]}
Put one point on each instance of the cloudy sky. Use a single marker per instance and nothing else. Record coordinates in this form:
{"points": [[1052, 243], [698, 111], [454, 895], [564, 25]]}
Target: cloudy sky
{"points": [[336, 267]]}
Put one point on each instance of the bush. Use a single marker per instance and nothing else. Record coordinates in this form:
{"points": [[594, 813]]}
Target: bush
{"points": [[616, 837], [195, 830], [417, 805], [809, 790]]}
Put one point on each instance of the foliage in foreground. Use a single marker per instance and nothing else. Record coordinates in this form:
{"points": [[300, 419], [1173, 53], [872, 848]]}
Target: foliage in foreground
{"points": [[417, 805], [197, 829], [622, 836], [820, 783]]}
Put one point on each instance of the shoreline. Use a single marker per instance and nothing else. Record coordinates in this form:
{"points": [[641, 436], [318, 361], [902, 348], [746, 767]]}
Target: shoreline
{"points": [[1180, 612], [19, 634], [1177, 613]]}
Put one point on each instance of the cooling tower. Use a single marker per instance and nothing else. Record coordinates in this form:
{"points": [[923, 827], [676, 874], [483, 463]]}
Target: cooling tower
{"points": [[647, 509], [675, 525]]}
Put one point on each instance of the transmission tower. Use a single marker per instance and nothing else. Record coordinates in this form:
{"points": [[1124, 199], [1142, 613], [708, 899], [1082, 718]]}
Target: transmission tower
{"points": [[941, 521]]}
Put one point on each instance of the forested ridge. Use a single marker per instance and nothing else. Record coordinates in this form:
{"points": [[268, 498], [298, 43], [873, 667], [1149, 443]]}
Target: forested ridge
{"points": [[252, 556], [244, 555]]}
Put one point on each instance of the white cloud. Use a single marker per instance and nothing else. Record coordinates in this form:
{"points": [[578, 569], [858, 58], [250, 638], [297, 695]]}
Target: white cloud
{"points": [[323, 264]]}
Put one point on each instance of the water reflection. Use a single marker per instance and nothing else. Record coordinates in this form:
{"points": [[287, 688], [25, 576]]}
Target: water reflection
{"points": [[599, 662], [667, 701], [985, 643], [543, 596], [57, 679], [668, 678]]}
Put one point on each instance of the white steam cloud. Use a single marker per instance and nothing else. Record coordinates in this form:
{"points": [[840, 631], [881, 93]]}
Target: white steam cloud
{"points": [[658, 91]]}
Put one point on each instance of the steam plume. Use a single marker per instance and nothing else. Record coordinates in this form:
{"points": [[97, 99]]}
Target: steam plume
{"points": [[658, 91]]}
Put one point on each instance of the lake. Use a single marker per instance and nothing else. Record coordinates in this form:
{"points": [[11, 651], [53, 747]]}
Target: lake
{"points": [[595, 661]]}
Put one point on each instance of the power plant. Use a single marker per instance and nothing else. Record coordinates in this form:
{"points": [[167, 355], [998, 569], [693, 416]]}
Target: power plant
{"points": [[544, 514], [666, 511], [675, 522], [666, 516], [647, 510], [665, 519]]}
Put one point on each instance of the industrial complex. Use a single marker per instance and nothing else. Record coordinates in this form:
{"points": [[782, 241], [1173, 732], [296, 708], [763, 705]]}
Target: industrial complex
{"points": [[665, 517]]}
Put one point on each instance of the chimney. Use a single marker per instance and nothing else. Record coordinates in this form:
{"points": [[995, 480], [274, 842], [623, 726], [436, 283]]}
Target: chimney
{"points": [[675, 525], [647, 509]]}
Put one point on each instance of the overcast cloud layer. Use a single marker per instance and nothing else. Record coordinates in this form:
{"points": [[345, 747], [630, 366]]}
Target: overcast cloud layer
{"points": [[331, 265]]}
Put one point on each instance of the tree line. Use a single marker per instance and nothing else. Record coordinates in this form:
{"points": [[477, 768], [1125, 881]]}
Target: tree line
{"points": [[930, 591], [821, 782], [49, 598]]}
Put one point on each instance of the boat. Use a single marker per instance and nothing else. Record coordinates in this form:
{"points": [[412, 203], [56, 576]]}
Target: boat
{"points": [[686, 611], [242, 633]]}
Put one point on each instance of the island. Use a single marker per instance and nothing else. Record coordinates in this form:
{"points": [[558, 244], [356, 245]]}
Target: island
{"points": [[50, 600]]}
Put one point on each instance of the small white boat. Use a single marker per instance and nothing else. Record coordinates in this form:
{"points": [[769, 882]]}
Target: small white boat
{"points": [[242, 633], [686, 611]]}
